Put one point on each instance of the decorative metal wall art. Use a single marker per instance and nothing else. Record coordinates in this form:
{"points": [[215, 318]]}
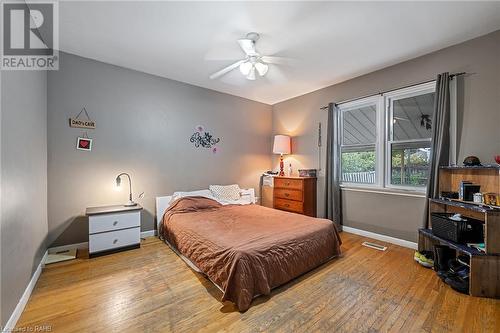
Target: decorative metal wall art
{"points": [[204, 139]]}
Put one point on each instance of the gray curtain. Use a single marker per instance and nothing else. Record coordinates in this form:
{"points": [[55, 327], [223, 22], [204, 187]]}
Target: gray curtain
{"points": [[333, 205], [440, 154]]}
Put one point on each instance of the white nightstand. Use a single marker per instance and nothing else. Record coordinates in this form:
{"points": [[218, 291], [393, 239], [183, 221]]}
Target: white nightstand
{"points": [[113, 229]]}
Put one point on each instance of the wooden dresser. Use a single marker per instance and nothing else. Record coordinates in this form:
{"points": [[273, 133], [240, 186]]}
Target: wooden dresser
{"points": [[295, 194]]}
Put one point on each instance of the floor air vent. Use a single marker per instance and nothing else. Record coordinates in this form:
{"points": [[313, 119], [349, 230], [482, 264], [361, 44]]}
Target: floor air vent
{"points": [[374, 246]]}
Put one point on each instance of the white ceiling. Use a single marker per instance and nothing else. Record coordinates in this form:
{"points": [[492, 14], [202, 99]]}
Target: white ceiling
{"points": [[329, 42]]}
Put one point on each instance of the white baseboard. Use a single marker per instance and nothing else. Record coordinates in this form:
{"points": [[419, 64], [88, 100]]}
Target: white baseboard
{"points": [[84, 245], [14, 317], [384, 238], [148, 233]]}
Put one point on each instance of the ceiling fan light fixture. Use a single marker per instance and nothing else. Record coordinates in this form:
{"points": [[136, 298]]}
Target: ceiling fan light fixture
{"points": [[251, 75], [261, 68], [252, 62], [245, 68]]}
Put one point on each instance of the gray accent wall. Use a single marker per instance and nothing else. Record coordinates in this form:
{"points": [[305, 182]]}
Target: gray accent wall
{"points": [[479, 107], [24, 182], [143, 126]]}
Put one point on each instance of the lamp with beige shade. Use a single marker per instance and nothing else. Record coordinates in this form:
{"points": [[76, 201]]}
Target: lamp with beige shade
{"points": [[281, 146]]}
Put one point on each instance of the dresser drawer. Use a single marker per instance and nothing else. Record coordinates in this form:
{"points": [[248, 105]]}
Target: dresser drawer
{"points": [[114, 239], [288, 194], [110, 222], [289, 205], [296, 184]]}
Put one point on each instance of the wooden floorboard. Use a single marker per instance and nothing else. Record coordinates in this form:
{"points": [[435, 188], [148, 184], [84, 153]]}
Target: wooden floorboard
{"points": [[152, 290]]}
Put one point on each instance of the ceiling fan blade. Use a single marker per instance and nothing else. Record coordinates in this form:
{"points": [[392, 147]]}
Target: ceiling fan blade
{"points": [[226, 69], [275, 75], [277, 60], [261, 68], [248, 46], [251, 75]]}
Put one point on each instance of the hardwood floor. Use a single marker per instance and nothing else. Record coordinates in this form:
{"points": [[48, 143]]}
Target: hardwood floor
{"points": [[151, 290]]}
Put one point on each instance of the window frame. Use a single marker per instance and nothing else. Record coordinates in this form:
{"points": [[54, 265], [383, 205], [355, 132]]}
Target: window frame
{"points": [[384, 130], [353, 105], [389, 98]]}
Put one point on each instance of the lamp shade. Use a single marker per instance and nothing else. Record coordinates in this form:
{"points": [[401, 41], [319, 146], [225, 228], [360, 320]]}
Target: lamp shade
{"points": [[281, 144]]}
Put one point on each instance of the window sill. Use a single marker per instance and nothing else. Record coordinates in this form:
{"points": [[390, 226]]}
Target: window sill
{"points": [[381, 190]]}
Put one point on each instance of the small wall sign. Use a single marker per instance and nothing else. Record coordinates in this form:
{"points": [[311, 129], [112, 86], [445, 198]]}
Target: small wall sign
{"points": [[73, 122], [81, 123], [84, 144]]}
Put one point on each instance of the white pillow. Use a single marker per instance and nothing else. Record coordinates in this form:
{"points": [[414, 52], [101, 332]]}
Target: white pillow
{"points": [[199, 193], [247, 197], [227, 192]]}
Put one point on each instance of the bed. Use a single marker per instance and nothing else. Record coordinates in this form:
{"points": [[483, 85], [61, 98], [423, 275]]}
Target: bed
{"points": [[244, 249]]}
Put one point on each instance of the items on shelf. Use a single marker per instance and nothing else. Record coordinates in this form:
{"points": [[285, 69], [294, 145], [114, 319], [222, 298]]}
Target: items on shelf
{"points": [[461, 188], [451, 270], [472, 161], [478, 197], [307, 173], [456, 228], [449, 195], [491, 199], [477, 246], [468, 191]]}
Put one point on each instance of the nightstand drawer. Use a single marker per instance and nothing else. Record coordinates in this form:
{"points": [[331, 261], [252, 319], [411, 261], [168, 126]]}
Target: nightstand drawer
{"points": [[288, 183], [289, 205], [110, 222], [114, 239], [288, 194]]}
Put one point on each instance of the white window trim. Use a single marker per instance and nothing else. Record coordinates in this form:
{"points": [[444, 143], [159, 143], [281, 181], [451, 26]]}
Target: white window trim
{"points": [[349, 106], [420, 89], [383, 142]]}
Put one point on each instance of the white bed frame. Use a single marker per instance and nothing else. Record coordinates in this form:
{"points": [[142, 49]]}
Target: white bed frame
{"points": [[161, 207]]}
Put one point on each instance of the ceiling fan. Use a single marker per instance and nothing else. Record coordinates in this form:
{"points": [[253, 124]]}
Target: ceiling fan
{"points": [[253, 62]]}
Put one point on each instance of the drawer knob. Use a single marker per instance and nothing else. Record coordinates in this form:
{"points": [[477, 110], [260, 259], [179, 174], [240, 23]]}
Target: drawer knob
{"points": [[115, 241], [287, 205], [115, 222], [287, 194], [287, 184]]}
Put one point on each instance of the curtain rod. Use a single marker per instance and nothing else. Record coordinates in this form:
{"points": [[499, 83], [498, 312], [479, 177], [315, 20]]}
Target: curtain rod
{"points": [[386, 91]]}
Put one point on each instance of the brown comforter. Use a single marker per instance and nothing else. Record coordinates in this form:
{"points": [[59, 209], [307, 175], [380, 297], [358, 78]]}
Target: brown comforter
{"points": [[247, 250]]}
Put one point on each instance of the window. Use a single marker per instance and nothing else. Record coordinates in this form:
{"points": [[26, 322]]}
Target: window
{"points": [[385, 140], [410, 114], [359, 141]]}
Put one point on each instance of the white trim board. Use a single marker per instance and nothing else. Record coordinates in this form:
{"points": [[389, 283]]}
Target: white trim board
{"points": [[148, 233], [16, 314], [384, 238], [84, 245]]}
